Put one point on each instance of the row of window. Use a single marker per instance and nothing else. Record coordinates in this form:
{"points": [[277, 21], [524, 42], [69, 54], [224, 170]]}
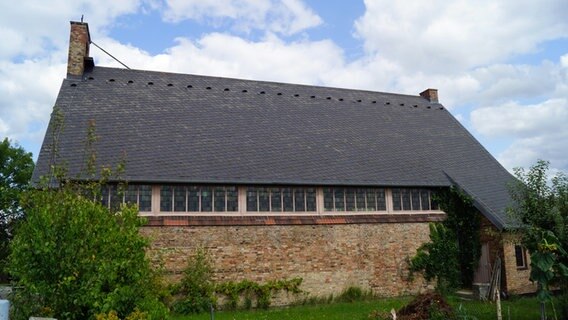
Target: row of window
{"points": [[268, 199], [281, 199], [198, 199], [140, 195]]}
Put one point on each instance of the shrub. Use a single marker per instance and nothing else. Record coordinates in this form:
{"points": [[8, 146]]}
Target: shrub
{"points": [[196, 287], [74, 259]]}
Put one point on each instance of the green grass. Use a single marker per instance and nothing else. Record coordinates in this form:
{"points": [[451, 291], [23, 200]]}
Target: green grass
{"points": [[514, 309]]}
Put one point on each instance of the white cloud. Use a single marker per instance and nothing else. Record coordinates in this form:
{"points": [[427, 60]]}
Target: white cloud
{"points": [[539, 131], [36, 27], [27, 95], [512, 119], [270, 59], [281, 16], [449, 36]]}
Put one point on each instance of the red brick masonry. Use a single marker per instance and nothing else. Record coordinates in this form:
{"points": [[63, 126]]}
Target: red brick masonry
{"points": [[158, 221]]}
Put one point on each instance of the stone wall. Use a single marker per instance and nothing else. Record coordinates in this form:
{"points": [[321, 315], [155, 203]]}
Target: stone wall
{"points": [[501, 243], [517, 278], [329, 258]]}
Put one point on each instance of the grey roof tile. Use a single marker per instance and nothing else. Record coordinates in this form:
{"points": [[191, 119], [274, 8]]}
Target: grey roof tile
{"points": [[187, 133]]}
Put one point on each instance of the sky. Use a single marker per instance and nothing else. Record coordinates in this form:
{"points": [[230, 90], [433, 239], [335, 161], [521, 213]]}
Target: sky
{"points": [[501, 66]]}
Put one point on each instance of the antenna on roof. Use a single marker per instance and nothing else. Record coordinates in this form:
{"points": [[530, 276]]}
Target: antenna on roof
{"points": [[110, 55], [81, 18]]}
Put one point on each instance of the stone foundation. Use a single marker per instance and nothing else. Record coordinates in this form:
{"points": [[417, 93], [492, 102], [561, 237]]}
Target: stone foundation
{"points": [[329, 258]]}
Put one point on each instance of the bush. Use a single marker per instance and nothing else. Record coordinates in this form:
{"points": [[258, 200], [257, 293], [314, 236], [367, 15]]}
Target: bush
{"points": [[196, 287], [437, 259], [74, 259]]}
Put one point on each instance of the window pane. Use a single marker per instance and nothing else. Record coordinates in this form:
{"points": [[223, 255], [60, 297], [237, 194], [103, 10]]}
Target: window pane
{"points": [[405, 195], [166, 198], [350, 199], [425, 199], [263, 202], [339, 199], [415, 199], [275, 200], [396, 202], [193, 199], [131, 194], [206, 199], [371, 201], [115, 197], [104, 195], [287, 199], [299, 203], [433, 203], [360, 197], [252, 199], [520, 256], [381, 202], [328, 199], [232, 203], [311, 199], [179, 198], [145, 198], [219, 199]]}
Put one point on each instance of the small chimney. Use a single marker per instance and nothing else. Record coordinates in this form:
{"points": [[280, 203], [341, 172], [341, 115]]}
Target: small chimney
{"points": [[78, 60], [430, 94]]}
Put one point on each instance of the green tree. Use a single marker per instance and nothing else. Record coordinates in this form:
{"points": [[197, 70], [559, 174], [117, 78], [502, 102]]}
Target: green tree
{"points": [[452, 254], [541, 206], [73, 258], [16, 167]]}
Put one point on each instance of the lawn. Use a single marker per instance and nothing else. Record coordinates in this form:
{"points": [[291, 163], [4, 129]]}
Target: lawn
{"points": [[514, 309]]}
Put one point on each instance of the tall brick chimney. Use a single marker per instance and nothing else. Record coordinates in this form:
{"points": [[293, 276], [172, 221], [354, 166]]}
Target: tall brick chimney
{"points": [[430, 94], [78, 60]]}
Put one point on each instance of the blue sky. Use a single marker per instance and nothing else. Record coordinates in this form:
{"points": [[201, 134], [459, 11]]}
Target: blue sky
{"points": [[501, 67]]}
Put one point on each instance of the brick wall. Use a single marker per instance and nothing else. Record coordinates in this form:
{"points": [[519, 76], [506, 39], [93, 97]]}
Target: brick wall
{"points": [[514, 280], [78, 48], [517, 279], [329, 258]]}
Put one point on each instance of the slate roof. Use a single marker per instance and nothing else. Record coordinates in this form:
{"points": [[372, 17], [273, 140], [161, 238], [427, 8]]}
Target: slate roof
{"points": [[181, 128]]}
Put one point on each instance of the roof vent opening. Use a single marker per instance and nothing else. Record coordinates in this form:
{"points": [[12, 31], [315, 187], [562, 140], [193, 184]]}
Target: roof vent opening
{"points": [[73, 84], [401, 104], [387, 103], [441, 108], [374, 101], [415, 106], [429, 107], [91, 78], [130, 82], [279, 94], [170, 84], [262, 92], [110, 80], [150, 83], [313, 97], [296, 95], [359, 100], [328, 98], [227, 89], [208, 88], [189, 86], [340, 99]]}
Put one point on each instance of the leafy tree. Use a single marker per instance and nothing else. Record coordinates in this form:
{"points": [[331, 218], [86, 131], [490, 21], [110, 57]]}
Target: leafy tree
{"points": [[16, 167], [541, 206], [438, 259], [452, 254], [73, 258]]}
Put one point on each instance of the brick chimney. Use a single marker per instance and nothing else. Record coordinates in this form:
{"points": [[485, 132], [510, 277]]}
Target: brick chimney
{"points": [[78, 60], [430, 94]]}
